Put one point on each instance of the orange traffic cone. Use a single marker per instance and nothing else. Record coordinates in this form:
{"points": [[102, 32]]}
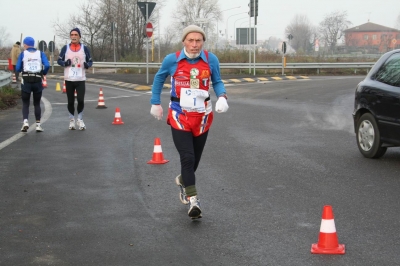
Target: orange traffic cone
{"points": [[328, 241], [64, 90], [101, 104], [44, 82], [14, 80], [117, 118], [158, 157]]}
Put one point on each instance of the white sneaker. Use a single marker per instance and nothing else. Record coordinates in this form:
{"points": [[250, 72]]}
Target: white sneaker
{"points": [[39, 128], [80, 124], [194, 208], [72, 124], [25, 126]]}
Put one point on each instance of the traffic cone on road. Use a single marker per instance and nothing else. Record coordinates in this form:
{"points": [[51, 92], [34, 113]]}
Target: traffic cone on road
{"points": [[117, 118], [44, 82], [328, 242], [58, 87], [14, 80], [64, 90], [158, 157], [101, 104]]}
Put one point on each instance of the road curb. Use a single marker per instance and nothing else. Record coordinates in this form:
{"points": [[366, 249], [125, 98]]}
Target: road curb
{"points": [[260, 79], [140, 87], [108, 82]]}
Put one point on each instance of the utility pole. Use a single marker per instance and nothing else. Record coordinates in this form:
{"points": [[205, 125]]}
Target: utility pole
{"points": [[147, 8], [113, 36], [147, 46], [253, 12], [159, 37]]}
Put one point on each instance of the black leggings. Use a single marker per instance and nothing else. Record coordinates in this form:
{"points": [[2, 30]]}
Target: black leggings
{"points": [[190, 149], [26, 99], [70, 87]]}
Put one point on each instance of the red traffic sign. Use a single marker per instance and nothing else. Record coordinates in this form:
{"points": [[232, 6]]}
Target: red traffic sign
{"points": [[149, 29]]}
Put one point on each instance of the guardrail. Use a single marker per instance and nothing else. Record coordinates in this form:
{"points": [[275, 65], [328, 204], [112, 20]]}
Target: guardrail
{"points": [[5, 78], [317, 66]]}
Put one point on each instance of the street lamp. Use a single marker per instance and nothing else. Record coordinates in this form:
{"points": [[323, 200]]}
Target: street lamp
{"points": [[218, 23], [241, 24], [234, 26], [227, 20], [230, 8]]}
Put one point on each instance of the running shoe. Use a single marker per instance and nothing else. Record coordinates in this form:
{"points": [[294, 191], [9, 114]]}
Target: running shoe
{"points": [[25, 126], [80, 124], [72, 124], [194, 208], [182, 195], [39, 128]]}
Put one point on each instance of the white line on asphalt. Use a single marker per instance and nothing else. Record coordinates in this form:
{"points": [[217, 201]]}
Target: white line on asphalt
{"points": [[115, 97], [47, 113]]}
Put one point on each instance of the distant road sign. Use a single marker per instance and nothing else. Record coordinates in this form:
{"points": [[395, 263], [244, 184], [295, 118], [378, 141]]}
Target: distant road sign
{"points": [[51, 46], [149, 29], [243, 37], [42, 46], [394, 41], [150, 7]]}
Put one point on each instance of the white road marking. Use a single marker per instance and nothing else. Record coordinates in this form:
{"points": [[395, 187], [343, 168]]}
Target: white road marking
{"points": [[47, 113]]}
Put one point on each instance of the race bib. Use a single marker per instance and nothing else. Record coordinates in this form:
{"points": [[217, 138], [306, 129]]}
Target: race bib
{"points": [[192, 100], [34, 66], [75, 72]]}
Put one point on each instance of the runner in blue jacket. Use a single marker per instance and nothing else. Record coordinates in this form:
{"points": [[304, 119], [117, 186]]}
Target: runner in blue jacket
{"points": [[30, 63], [190, 115]]}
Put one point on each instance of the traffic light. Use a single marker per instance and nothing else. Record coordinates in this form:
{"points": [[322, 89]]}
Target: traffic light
{"points": [[284, 47], [253, 8]]}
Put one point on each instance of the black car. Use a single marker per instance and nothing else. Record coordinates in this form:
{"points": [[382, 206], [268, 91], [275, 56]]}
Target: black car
{"points": [[377, 107]]}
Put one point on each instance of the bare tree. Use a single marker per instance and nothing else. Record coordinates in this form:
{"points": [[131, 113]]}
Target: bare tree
{"points": [[4, 35], [101, 20], [302, 31], [397, 24], [203, 13], [168, 41], [332, 28], [90, 21]]}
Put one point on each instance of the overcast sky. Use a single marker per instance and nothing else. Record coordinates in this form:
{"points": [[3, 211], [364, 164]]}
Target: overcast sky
{"points": [[34, 18]]}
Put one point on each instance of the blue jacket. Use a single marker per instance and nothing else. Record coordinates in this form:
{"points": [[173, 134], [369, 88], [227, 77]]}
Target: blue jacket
{"points": [[20, 64], [61, 57], [168, 68]]}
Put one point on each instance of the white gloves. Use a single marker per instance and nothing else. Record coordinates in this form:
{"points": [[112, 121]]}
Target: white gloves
{"points": [[221, 106], [156, 111]]}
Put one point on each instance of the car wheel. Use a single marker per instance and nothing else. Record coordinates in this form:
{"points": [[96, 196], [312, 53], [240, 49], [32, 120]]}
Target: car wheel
{"points": [[368, 137]]}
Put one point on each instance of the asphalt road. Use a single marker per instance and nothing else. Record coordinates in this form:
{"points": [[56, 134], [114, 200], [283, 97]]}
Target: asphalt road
{"points": [[282, 151]]}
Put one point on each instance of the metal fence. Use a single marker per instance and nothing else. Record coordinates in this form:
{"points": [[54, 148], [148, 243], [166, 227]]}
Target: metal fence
{"points": [[5, 78], [257, 66]]}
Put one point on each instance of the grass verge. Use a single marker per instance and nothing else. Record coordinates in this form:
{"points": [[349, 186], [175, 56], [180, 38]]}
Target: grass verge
{"points": [[9, 97]]}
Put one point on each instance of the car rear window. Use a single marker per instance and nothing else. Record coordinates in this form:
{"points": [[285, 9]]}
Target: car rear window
{"points": [[389, 73]]}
